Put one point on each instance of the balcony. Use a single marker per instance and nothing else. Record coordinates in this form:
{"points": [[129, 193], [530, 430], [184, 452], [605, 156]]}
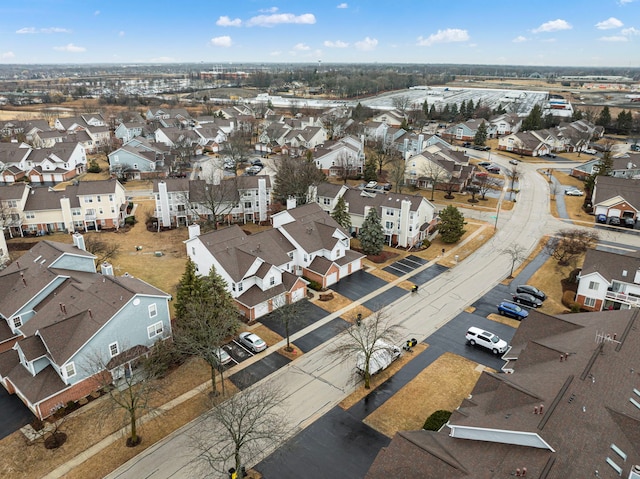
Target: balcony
{"points": [[623, 298]]}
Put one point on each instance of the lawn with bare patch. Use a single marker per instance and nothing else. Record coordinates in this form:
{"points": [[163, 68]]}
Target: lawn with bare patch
{"points": [[498, 318], [548, 278], [442, 385], [378, 379], [331, 306]]}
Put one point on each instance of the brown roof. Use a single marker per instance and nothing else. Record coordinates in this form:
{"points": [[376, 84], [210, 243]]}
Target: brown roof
{"points": [[12, 192], [585, 398], [612, 266], [608, 187]]}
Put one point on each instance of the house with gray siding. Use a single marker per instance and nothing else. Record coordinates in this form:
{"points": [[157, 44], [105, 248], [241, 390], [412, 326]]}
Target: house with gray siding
{"points": [[60, 319]]}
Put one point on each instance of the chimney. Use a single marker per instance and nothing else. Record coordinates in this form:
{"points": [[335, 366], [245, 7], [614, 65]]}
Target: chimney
{"points": [[106, 269], [518, 472], [194, 231], [524, 471], [291, 203], [90, 313], [541, 408], [78, 241], [535, 410]]}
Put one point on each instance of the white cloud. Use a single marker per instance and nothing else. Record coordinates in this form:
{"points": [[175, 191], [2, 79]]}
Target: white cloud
{"points": [[7, 55], [367, 44], [444, 36], [121, 33], [614, 38], [624, 2], [342, 5], [630, 31], [70, 47], [609, 23], [43, 30], [96, 13], [519, 39], [553, 26], [336, 44], [280, 18], [225, 21], [223, 41], [269, 10], [301, 47]]}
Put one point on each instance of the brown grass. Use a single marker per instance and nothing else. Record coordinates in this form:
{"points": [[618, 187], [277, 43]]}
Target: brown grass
{"points": [[295, 353], [442, 385], [378, 379], [548, 278], [270, 337], [336, 304], [485, 233], [498, 318]]}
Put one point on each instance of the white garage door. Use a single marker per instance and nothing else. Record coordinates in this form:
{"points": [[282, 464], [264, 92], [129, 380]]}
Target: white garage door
{"points": [[332, 279], [614, 212], [297, 295], [262, 309]]}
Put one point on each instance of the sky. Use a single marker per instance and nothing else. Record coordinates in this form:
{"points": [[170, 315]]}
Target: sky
{"points": [[222, 32]]}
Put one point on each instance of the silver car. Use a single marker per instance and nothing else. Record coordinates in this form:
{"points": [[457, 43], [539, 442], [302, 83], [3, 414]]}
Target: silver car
{"points": [[253, 342]]}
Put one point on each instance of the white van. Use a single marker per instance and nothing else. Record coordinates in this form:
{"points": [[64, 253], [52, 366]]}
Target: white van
{"points": [[383, 355], [486, 339]]}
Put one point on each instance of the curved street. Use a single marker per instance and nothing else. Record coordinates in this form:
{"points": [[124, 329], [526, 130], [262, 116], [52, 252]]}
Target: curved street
{"points": [[317, 381]]}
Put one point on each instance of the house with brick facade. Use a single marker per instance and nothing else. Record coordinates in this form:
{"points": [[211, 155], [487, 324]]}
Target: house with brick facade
{"points": [[266, 270], [58, 316]]}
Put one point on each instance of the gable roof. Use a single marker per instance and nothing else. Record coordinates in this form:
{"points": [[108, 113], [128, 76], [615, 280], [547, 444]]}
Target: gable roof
{"points": [[607, 187]]}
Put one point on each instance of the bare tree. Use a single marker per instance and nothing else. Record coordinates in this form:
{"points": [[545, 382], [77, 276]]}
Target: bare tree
{"points": [[516, 253], [397, 173], [487, 183], [346, 166], [247, 425], [513, 174], [401, 102], [236, 150], [567, 245], [218, 200], [367, 337], [103, 250], [435, 174], [287, 314], [294, 176], [383, 154]]}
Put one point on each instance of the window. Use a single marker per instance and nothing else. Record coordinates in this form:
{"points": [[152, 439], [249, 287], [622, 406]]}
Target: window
{"points": [[98, 198], [240, 288], [388, 225], [272, 281], [326, 201], [590, 302], [30, 215], [17, 322], [593, 285], [13, 204], [193, 250], [247, 204], [113, 349], [110, 197], [88, 199], [155, 330], [70, 370], [153, 310]]}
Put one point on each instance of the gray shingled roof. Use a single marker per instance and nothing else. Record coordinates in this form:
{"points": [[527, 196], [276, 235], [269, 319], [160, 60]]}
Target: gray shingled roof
{"points": [[608, 187]]}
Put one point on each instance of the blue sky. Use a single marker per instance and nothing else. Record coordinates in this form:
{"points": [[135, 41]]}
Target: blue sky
{"points": [[523, 32]]}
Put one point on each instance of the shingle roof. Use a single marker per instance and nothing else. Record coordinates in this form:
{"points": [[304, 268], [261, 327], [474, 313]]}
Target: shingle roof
{"points": [[608, 187]]}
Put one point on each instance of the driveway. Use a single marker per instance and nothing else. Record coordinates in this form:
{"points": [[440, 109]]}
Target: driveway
{"points": [[14, 413], [308, 313], [405, 265], [357, 285], [258, 370]]}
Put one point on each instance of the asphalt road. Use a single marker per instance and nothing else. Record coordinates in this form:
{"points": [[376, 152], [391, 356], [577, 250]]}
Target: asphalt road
{"points": [[13, 413], [318, 381]]}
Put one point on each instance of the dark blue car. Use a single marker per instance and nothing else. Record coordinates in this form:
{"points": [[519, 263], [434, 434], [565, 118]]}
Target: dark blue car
{"points": [[512, 310]]}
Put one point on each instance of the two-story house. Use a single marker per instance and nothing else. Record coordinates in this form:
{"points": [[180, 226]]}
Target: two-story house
{"points": [[264, 271], [62, 162], [466, 131], [439, 167], [62, 324], [12, 201], [615, 196], [139, 159], [342, 158]]}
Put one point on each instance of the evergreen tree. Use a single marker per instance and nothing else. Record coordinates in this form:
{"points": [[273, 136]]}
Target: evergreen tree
{"points": [[445, 114], [471, 108], [602, 168], [425, 109], [604, 118], [433, 113], [463, 109], [454, 112], [577, 115], [371, 234], [341, 215], [624, 123], [451, 226], [534, 120], [481, 135], [370, 170], [189, 287]]}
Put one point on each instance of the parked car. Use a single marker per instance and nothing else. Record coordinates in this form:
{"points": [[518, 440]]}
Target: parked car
{"points": [[383, 355], [486, 339], [601, 218], [253, 170], [466, 144], [590, 151], [532, 290], [229, 165], [514, 161], [253, 342], [484, 164], [614, 220], [257, 162], [550, 155], [481, 147], [493, 169], [527, 299], [512, 310], [223, 356], [629, 222], [573, 192]]}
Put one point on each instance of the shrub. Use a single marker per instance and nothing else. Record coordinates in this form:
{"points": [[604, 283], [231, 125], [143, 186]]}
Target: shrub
{"points": [[94, 167], [163, 357], [130, 220], [568, 300], [437, 420], [314, 285]]}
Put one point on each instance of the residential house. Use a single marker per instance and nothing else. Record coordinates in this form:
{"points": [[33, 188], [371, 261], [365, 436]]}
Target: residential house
{"points": [[466, 131], [140, 159], [625, 166], [4, 251], [342, 158], [616, 197], [609, 280], [62, 324], [242, 199], [13, 161], [34, 126], [92, 123], [506, 124], [62, 162], [264, 271], [568, 407], [165, 116], [449, 169], [127, 131], [391, 117], [407, 220], [177, 137], [13, 197], [524, 143]]}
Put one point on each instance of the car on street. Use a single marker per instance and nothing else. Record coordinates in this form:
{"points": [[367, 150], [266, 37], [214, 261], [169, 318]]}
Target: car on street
{"points": [[252, 341], [590, 151], [573, 192], [486, 339], [484, 164], [512, 310], [514, 161], [527, 300], [481, 147], [493, 169], [223, 356], [614, 220], [532, 290]]}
